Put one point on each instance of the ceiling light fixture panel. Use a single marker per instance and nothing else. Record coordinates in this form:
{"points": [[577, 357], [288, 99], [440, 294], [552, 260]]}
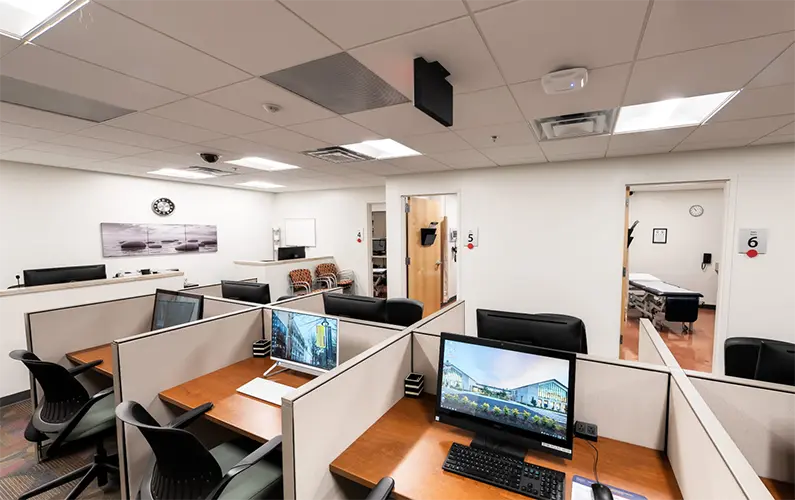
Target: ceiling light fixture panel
{"points": [[181, 174], [262, 164], [260, 185], [27, 19], [382, 149], [671, 113]]}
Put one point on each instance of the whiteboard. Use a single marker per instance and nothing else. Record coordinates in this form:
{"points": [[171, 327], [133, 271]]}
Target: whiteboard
{"points": [[299, 232]]}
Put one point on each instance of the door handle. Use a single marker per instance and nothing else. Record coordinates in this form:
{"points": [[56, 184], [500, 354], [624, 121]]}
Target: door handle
{"points": [[438, 263]]}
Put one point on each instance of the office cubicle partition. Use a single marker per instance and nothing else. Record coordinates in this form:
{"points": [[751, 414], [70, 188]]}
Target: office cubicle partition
{"points": [[213, 290], [310, 302], [651, 348], [145, 364]]}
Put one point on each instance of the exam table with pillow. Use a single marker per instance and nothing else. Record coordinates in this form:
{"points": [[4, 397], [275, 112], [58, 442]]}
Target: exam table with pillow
{"points": [[660, 301]]}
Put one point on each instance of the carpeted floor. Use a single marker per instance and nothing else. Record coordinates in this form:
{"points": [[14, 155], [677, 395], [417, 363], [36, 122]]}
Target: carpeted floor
{"points": [[20, 471]]}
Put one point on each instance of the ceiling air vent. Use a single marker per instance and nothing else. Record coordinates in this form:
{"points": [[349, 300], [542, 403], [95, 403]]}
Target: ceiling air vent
{"points": [[215, 172], [338, 154], [575, 125]]}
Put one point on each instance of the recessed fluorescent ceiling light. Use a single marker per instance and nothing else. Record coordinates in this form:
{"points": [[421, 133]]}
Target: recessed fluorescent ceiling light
{"points": [[27, 19], [262, 164], [382, 149], [260, 184], [682, 112], [182, 174]]}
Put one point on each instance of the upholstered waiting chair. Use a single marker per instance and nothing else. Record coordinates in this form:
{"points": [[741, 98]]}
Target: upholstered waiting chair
{"points": [[184, 469], [300, 281], [67, 414], [342, 278]]}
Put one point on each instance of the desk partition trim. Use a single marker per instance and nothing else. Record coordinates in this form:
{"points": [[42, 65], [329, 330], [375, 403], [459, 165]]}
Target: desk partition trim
{"points": [[145, 335]]}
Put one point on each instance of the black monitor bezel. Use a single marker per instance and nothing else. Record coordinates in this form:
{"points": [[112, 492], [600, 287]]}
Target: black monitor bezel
{"points": [[32, 273], [176, 294], [486, 427], [251, 284]]}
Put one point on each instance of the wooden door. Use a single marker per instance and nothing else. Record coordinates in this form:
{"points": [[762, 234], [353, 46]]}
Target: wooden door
{"points": [[443, 233], [424, 266], [624, 270]]}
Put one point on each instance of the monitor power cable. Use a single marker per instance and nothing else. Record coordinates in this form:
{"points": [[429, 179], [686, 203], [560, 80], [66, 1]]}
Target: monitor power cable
{"points": [[596, 460]]}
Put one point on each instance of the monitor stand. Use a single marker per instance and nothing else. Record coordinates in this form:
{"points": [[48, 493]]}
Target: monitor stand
{"points": [[286, 365], [492, 444]]}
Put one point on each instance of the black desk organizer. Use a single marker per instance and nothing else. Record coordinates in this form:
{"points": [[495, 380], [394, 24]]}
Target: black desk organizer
{"points": [[261, 348], [413, 385]]}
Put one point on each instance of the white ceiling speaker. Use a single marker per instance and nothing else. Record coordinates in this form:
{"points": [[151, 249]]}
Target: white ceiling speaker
{"points": [[566, 80]]}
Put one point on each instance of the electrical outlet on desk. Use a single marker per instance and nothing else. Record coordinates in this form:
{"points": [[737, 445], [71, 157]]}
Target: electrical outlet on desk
{"points": [[585, 430]]}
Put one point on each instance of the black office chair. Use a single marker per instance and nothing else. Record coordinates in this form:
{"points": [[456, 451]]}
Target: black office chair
{"points": [[67, 414], [184, 469], [403, 312], [776, 363], [382, 490], [741, 355]]}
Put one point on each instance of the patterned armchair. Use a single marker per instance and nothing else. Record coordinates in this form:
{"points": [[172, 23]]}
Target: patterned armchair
{"points": [[342, 278], [301, 282]]}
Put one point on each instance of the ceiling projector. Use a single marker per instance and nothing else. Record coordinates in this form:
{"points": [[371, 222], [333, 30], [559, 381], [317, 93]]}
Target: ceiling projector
{"points": [[566, 80]]}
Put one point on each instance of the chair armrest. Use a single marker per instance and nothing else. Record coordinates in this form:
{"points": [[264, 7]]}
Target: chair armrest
{"points": [[382, 490], [346, 274], [69, 427], [189, 416], [77, 370], [244, 464], [301, 284]]}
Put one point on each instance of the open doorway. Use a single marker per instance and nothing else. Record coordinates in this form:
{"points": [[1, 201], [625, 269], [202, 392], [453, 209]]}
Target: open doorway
{"points": [[377, 255], [432, 250], [673, 251]]}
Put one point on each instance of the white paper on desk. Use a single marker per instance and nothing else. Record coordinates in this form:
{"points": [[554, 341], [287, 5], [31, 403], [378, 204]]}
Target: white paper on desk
{"points": [[581, 490]]}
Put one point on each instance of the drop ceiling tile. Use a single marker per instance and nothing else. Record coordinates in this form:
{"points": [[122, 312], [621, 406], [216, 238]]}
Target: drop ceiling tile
{"points": [[571, 149], [337, 169], [749, 130], [699, 24], [719, 69], [161, 127], [88, 143], [7, 143], [111, 134], [379, 168], [60, 149], [655, 139], [41, 66], [396, 121], [285, 139], [25, 132], [774, 139], [695, 146], [437, 142], [41, 158], [469, 158], [209, 116], [248, 97], [515, 155], [476, 5], [496, 136], [527, 40], [7, 44], [351, 23], [650, 150], [780, 72], [456, 45], [604, 91], [485, 107], [335, 131], [419, 164], [41, 119], [99, 35], [756, 103], [251, 35], [786, 130], [239, 146]]}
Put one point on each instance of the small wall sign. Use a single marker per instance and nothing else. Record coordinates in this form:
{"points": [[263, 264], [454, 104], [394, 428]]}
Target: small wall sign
{"points": [[752, 242], [659, 235], [359, 233], [471, 240]]}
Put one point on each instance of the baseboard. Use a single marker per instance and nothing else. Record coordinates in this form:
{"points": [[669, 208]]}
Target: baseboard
{"points": [[14, 398], [707, 306]]}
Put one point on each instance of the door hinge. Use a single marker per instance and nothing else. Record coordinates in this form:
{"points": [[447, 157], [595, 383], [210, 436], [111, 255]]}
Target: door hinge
{"points": [[626, 202], [623, 272], [408, 261], [407, 207]]}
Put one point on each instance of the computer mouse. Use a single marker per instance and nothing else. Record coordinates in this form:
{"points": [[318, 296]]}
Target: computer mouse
{"points": [[601, 492]]}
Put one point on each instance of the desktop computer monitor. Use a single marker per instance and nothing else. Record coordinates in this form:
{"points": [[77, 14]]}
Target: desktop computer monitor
{"points": [[247, 291], [55, 275], [176, 308], [552, 331], [304, 342], [290, 253], [355, 307], [512, 396], [379, 246]]}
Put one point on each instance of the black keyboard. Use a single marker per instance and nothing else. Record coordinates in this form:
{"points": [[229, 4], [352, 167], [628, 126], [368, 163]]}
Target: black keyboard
{"points": [[506, 472]]}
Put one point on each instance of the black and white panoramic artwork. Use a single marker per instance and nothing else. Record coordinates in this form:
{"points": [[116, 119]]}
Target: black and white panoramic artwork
{"points": [[129, 240]]}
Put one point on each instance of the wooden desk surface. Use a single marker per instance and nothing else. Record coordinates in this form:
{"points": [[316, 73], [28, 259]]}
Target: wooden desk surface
{"points": [[243, 414], [92, 354], [409, 446], [779, 489]]}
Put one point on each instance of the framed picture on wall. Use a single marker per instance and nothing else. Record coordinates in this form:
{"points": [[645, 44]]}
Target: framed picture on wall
{"points": [[659, 235]]}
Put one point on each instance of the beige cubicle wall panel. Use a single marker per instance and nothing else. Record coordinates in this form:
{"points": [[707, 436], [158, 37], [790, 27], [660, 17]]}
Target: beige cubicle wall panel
{"points": [[759, 417], [425, 359], [449, 319], [311, 303], [330, 413], [651, 348], [150, 363], [211, 290], [216, 306], [356, 336]]}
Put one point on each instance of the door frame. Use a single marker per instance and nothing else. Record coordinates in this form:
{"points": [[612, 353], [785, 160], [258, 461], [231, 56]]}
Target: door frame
{"points": [[369, 240]]}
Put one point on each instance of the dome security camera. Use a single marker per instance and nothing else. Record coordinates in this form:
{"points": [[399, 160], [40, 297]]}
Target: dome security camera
{"points": [[210, 157]]}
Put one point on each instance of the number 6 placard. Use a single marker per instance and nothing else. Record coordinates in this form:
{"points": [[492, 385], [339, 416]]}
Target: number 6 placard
{"points": [[752, 239]]}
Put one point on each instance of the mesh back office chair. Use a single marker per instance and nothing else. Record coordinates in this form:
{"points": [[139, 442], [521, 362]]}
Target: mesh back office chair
{"points": [[382, 490], [776, 364], [343, 278], [184, 469], [403, 312], [741, 355], [67, 414]]}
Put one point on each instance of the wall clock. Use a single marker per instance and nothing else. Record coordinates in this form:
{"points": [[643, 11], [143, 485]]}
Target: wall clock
{"points": [[696, 210], [163, 207]]}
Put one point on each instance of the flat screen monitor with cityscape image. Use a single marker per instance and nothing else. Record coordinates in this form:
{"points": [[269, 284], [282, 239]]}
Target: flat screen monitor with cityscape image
{"points": [[304, 342], [508, 392]]}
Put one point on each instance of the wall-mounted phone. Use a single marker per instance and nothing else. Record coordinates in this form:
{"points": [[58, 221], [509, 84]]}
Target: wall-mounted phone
{"points": [[705, 261]]}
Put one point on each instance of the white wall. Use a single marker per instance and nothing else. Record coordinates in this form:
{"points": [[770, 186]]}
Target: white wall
{"points": [[551, 237], [50, 217], [338, 215], [679, 260]]}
